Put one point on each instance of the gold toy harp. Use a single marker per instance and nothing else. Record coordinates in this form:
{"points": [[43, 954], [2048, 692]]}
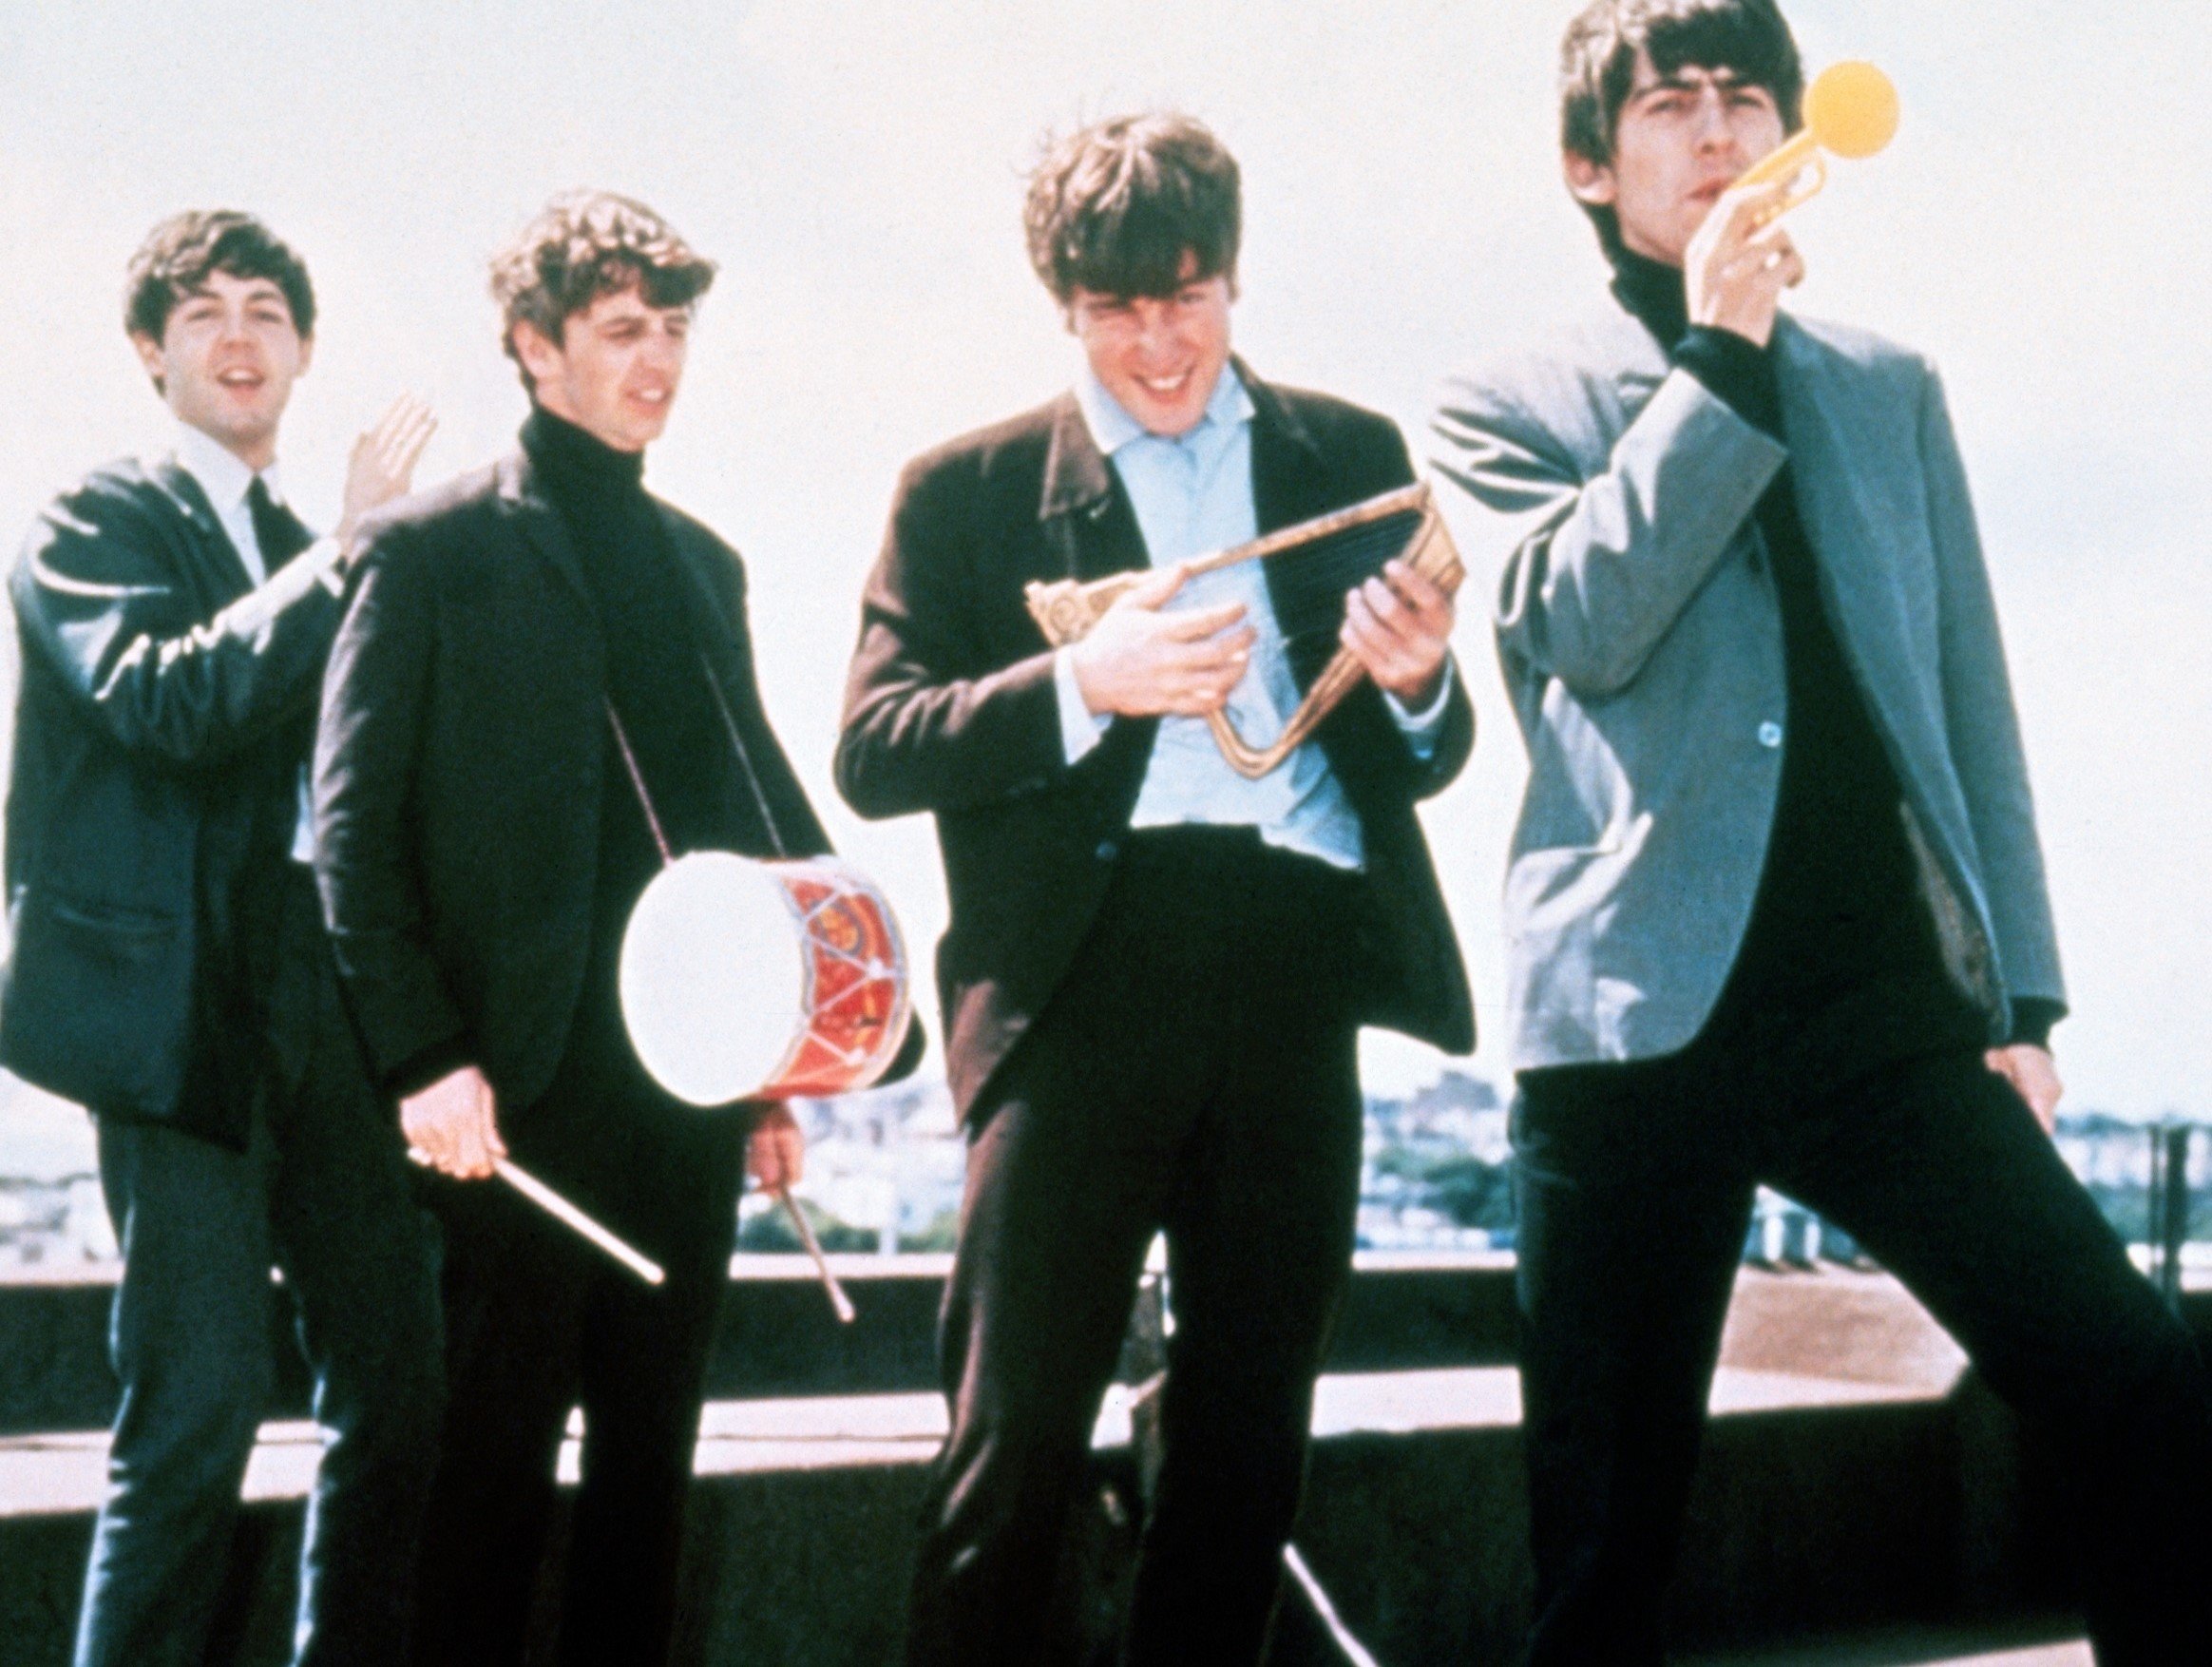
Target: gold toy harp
{"points": [[1316, 563]]}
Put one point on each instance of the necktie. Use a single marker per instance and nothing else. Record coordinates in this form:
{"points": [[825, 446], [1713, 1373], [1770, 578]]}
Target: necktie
{"points": [[277, 529]]}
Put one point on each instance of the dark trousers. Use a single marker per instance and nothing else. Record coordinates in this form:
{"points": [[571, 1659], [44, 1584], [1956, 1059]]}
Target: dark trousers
{"points": [[1636, 1184], [323, 1192], [539, 1322], [1194, 1073]]}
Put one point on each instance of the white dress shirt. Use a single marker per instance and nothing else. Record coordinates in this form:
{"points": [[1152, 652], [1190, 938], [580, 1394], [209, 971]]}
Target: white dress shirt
{"points": [[226, 481], [1193, 493]]}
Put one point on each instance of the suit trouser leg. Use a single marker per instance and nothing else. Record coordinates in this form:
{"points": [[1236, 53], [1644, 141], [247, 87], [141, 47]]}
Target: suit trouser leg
{"points": [[358, 1256], [189, 1339], [1633, 1203], [1941, 1173], [1120, 1113], [516, 1290], [1260, 1235], [643, 1370]]}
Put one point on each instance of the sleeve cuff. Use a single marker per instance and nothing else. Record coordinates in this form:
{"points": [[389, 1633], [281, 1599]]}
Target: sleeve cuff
{"points": [[1736, 371], [1424, 729], [418, 1072], [2033, 1018], [1081, 728]]}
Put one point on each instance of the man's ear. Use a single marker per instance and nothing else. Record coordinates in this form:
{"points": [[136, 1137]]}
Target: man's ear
{"points": [[539, 355], [306, 354], [151, 356], [1590, 183]]}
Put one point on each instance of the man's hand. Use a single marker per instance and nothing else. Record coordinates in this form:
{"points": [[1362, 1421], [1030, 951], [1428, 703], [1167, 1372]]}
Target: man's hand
{"points": [[775, 1152], [383, 462], [453, 1125], [2034, 1077], [1735, 269], [1399, 627], [1138, 662]]}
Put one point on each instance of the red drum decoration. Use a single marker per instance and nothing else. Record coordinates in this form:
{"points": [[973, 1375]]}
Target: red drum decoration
{"points": [[746, 980]]}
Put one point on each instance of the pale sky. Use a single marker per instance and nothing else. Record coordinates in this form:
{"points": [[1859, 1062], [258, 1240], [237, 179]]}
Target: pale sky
{"points": [[2038, 227]]}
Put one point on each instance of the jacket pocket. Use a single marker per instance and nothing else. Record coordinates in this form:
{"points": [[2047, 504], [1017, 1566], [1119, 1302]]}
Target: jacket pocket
{"points": [[96, 1003]]}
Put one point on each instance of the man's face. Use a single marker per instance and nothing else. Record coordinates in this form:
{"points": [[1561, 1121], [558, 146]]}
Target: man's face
{"points": [[1158, 356], [1681, 141], [226, 361], [614, 370]]}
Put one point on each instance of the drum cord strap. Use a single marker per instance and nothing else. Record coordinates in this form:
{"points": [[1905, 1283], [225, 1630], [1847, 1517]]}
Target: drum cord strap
{"points": [[839, 1302], [775, 838]]}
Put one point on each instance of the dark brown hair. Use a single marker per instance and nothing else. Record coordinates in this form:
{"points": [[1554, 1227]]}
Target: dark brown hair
{"points": [[1598, 60], [181, 253], [1115, 207], [585, 244]]}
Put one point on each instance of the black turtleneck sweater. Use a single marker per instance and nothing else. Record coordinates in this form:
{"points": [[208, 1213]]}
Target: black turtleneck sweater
{"points": [[650, 610], [1840, 943]]}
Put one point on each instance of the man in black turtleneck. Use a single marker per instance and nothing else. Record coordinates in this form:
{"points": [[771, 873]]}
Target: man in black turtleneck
{"points": [[1776, 904], [543, 685]]}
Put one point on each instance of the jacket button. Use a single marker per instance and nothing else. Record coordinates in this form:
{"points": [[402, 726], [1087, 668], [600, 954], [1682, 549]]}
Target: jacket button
{"points": [[1770, 734], [1107, 851]]}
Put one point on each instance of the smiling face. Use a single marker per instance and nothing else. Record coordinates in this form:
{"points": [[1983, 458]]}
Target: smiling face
{"points": [[614, 370], [228, 355], [1682, 139], [1158, 356]]}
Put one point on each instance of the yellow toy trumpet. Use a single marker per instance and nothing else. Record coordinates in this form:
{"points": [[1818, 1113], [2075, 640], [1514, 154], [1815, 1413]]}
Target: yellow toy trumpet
{"points": [[1851, 109]]}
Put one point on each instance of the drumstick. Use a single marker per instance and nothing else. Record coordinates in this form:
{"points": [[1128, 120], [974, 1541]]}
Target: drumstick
{"points": [[838, 1301], [569, 1216], [567, 1213]]}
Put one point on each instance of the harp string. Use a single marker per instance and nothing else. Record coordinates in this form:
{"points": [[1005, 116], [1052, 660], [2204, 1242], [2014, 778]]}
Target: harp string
{"points": [[1308, 582]]}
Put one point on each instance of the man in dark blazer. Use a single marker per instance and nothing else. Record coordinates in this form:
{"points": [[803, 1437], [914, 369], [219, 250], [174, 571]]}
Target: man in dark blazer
{"points": [[1155, 970], [1776, 907], [169, 971], [543, 686]]}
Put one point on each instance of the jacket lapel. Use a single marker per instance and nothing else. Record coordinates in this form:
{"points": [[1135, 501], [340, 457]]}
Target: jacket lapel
{"points": [[225, 568], [1289, 483], [1851, 541], [541, 526], [1088, 524]]}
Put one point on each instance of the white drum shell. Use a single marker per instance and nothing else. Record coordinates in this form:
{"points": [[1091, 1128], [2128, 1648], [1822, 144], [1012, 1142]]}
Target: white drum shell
{"points": [[713, 979]]}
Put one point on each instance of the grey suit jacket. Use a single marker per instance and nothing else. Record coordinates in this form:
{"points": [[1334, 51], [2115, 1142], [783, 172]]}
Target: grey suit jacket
{"points": [[1641, 639]]}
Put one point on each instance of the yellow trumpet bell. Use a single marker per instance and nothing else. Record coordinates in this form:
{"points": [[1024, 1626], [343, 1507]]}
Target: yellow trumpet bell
{"points": [[1851, 109]]}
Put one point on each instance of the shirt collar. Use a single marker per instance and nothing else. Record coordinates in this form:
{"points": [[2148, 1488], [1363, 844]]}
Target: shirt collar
{"points": [[1112, 428], [222, 476]]}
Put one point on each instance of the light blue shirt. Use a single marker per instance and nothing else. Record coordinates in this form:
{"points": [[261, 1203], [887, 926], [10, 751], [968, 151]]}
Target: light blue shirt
{"points": [[1192, 495]]}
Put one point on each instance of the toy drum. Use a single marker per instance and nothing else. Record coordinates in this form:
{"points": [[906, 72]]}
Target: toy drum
{"points": [[745, 980]]}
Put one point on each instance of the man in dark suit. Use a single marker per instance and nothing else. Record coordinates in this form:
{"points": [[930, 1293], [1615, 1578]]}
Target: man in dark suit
{"points": [[1776, 907], [169, 971], [543, 686], [1155, 969]]}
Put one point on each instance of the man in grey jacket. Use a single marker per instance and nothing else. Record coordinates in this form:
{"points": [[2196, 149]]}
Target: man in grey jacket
{"points": [[1776, 904]]}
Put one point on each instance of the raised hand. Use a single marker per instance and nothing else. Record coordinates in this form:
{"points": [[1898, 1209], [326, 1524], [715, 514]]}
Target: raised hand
{"points": [[383, 461], [1138, 661], [1737, 265]]}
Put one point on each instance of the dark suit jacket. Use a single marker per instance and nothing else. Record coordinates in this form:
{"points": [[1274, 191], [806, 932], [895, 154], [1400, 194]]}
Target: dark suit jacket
{"points": [[951, 709], [458, 774], [161, 723]]}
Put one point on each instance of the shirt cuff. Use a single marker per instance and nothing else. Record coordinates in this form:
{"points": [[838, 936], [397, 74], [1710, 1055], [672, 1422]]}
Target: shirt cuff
{"points": [[1081, 728], [321, 562], [1423, 729]]}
